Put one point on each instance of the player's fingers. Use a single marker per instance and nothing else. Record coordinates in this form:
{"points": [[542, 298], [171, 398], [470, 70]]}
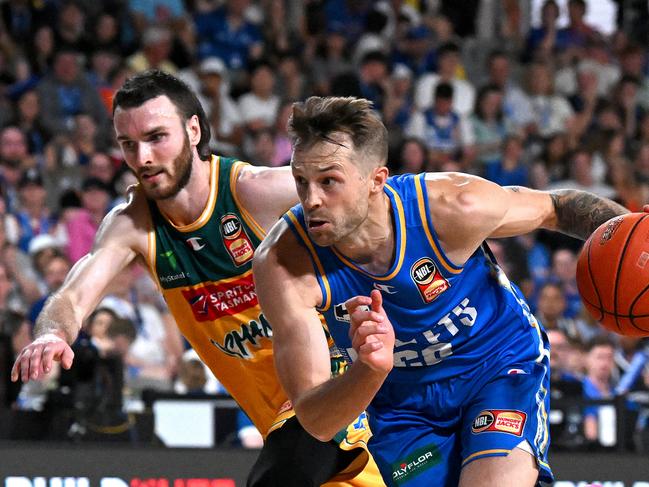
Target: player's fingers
{"points": [[370, 347], [352, 304], [49, 352], [35, 362], [360, 316], [377, 300], [24, 365], [66, 357], [16, 369], [369, 331]]}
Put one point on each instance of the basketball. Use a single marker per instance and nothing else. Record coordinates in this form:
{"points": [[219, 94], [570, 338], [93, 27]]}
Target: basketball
{"points": [[613, 274]]}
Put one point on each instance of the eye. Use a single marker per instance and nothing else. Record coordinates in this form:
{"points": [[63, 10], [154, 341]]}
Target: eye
{"points": [[156, 137], [328, 181], [128, 145], [300, 181]]}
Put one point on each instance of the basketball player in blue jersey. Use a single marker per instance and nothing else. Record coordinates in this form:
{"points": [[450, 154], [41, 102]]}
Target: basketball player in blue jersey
{"points": [[447, 358]]}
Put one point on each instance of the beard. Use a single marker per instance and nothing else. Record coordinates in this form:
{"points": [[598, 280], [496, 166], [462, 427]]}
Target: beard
{"points": [[179, 176]]}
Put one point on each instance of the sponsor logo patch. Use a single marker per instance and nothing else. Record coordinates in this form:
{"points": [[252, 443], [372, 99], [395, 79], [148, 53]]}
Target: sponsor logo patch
{"points": [[384, 288], [195, 243], [499, 421], [430, 282], [236, 240], [416, 463], [236, 343], [212, 301], [610, 229]]}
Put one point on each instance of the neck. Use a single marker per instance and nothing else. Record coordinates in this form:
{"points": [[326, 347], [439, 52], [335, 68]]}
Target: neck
{"points": [[189, 203], [371, 245]]}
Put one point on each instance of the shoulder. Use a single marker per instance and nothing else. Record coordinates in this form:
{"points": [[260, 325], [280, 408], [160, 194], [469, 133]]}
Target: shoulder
{"points": [[282, 258], [457, 192], [128, 224]]}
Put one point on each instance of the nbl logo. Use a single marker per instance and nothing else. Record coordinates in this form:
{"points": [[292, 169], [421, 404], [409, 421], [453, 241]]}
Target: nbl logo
{"points": [[428, 279], [236, 240]]}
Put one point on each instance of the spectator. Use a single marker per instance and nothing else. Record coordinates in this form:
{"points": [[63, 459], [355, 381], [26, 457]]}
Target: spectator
{"points": [[564, 270], [15, 334], [488, 125], [55, 270], [83, 225], [578, 33], [517, 109], [156, 48], [102, 167], [598, 382], [509, 169], [331, 61], [96, 327], [552, 113], [34, 217], [28, 120], [263, 147], [545, 40], [398, 104], [70, 29], [369, 83], [416, 51], [151, 359], [40, 51], [412, 158], [448, 56], [581, 176], [282, 141], [259, 106], [67, 93], [225, 33], [444, 131], [551, 310]]}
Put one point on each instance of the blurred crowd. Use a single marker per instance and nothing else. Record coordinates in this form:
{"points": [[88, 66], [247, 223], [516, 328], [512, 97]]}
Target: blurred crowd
{"points": [[473, 86]]}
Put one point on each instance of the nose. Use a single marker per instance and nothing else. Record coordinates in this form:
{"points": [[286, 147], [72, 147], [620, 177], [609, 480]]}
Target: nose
{"points": [[144, 154], [312, 198]]}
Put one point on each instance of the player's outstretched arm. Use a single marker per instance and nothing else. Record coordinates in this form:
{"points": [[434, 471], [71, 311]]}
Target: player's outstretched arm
{"points": [[288, 294], [58, 324], [467, 209]]}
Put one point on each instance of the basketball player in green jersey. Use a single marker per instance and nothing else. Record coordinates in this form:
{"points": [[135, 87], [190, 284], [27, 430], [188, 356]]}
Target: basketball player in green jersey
{"points": [[194, 221]]}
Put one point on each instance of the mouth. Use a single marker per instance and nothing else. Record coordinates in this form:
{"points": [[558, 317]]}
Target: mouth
{"points": [[151, 177], [317, 223]]}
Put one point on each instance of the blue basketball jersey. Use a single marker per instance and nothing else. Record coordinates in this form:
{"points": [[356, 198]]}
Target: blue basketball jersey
{"points": [[447, 318]]}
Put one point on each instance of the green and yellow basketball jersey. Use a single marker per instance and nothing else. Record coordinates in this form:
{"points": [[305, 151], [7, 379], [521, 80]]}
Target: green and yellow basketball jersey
{"points": [[204, 271]]}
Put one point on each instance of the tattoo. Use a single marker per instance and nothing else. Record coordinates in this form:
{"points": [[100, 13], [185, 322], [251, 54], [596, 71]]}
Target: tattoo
{"points": [[515, 189], [580, 213]]}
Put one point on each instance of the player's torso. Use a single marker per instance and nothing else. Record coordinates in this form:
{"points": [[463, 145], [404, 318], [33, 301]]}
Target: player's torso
{"points": [[205, 273], [446, 318]]}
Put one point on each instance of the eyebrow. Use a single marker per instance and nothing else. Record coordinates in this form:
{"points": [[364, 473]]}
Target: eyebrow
{"points": [[152, 131]]}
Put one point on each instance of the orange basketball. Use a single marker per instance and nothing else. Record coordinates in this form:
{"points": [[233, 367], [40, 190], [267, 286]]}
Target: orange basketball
{"points": [[613, 274]]}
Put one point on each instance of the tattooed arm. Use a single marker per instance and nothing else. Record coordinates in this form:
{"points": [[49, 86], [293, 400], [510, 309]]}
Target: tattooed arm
{"points": [[579, 213]]}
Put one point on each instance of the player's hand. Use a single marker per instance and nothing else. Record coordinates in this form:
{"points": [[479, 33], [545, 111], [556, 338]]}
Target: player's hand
{"points": [[371, 332], [35, 360]]}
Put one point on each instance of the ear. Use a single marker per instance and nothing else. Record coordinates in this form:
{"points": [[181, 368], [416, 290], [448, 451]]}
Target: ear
{"points": [[193, 128], [378, 177]]}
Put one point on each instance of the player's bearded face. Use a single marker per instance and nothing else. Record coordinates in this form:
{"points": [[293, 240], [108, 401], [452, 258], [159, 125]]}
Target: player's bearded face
{"points": [[174, 178]]}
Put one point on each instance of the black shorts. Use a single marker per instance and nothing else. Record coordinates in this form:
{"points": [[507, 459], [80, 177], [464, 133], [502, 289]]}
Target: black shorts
{"points": [[291, 457]]}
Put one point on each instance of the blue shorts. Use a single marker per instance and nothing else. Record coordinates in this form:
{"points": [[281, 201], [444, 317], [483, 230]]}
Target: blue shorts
{"points": [[423, 434]]}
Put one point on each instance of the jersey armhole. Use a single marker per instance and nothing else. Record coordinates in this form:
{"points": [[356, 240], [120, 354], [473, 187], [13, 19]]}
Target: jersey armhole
{"points": [[256, 228], [429, 229], [301, 236]]}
